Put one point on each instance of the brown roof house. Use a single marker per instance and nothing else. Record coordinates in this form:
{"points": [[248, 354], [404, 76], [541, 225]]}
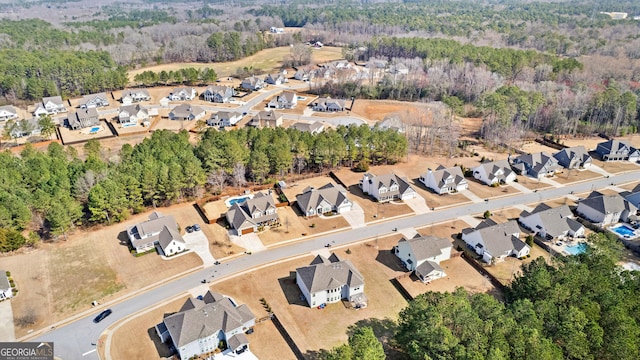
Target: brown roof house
{"points": [[159, 230], [253, 213], [329, 280], [203, 322]]}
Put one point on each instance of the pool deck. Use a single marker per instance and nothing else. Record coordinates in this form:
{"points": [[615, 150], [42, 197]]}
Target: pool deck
{"points": [[636, 232]]}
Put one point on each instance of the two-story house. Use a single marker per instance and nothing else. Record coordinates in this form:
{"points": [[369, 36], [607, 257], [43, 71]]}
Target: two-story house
{"points": [[264, 119], [387, 187], [444, 180], [329, 198], [251, 214], [576, 157], [83, 118], [423, 255], [605, 210], [130, 96], [132, 114], [203, 323], [329, 280], [495, 172], [313, 128], [94, 101], [328, 104], [536, 165], [224, 119], [551, 223], [187, 112], [182, 94], [252, 83], [615, 150], [8, 112], [494, 242], [275, 79], [49, 106], [286, 100], [159, 231], [218, 94]]}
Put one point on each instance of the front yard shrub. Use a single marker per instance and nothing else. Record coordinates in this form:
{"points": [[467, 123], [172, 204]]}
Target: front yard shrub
{"points": [[529, 240], [487, 214]]}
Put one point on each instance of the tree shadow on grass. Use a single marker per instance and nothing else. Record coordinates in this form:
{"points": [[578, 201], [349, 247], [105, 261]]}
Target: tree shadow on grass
{"points": [[124, 239]]}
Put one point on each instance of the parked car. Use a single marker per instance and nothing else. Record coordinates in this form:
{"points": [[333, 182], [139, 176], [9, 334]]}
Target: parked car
{"points": [[189, 229], [196, 227], [249, 332], [102, 315]]}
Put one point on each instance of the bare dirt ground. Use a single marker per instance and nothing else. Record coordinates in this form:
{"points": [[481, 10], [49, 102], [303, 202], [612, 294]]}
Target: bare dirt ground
{"points": [[531, 183], [485, 192], [505, 271], [558, 202], [630, 186], [437, 201], [297, 187], [534, 147], [571, 176], [265, 60], [99, 260], [298, 226], [591, 143], [377, 110], [505, 215], [615, 167]]}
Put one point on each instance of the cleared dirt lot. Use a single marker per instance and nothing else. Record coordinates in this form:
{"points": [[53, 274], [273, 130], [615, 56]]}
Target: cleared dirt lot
{"points": [[533, 184], [570, 176], [508, 269], [615, 167], [485, 192], [298, 226], [438, 201], [64, 278]]}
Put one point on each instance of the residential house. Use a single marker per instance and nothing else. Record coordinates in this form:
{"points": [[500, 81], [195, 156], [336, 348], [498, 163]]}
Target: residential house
{"points": [[83, 118], [536, 165], [387, 187], [186, 112], [250, 215], [5, 286], [252, 83], [302, 75], [204, 322], [328, 104], [605, 210], [392, 123], [276, 30], [132, 114], [329, 198], [632, 196], [423, 255], [182, 94], [266, 119], [494, 242], [94, 101], [551, 223], [329, 280], [8, 112], [218, 94], [49, 106], [130, 96], [496, 172], [275, 79], [314, 128], [159, 231], [26, 128], [286, 100], [576, 157], [224, 119], [614, 150], [444, 180]]}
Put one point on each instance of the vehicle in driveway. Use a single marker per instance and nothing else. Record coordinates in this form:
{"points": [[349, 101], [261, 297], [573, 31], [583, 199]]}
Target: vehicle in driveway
{"points": [[102, 315], [195, 227], [189, 229]]}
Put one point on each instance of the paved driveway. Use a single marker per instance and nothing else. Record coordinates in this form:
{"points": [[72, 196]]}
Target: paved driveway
{"points": [[418, 205], [6, 322], [198, 242], [355, 217], [251, 242]]}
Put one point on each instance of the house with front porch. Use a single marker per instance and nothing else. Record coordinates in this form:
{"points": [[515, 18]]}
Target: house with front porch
{"points": [[83, 118], [252, 83], [423, 255], [494, 242], [130, 96], [286, 100], [49, 106], [387, 187], [203, 323], [551, 223], [224, 119], [25, 128], [329, 198], [576, 157], [8, 112], [329, 280], [494, 173], [536, 165], [252, 214], [94, 101], [159, 231], [313, 128], [605, 210], [218, 94], [132, 114], [275, 79], [444, 180], [264, 119], [186, 112], [617, 150], [328, 104], [182, 94]]}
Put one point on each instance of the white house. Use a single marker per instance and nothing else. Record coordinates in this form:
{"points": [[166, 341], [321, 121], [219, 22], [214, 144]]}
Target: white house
{"points": [[218, 94], [202, 323], [132, 114], [224, 119], [313, 128], [423, 256], [8, 112], [387, 187], [5, 286], [329, 198], [94, 101], [494, 242], [605, 210], [328, 104], [327, 281], [50, 105], [444, 180], [131, 96], [252, 83], [576, 157], [182, 94], [496, 172], [286, 100], [551, 223], [187, 112], [160, 231], [275, 79]]}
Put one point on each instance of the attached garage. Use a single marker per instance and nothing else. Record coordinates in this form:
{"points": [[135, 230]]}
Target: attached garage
{"points": [[246, 231]]}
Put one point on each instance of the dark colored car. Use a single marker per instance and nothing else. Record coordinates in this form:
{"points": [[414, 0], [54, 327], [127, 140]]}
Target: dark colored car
{"points": [[196, 227], [102, 315], [189, 229]]}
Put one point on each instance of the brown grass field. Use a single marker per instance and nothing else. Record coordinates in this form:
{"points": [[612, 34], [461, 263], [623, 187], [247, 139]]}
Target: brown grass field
{"points": [[533, 184], [485, 192], [265, 60], [508, 269], [615, 167], [299, 225], [571, 176], [437, 201]]}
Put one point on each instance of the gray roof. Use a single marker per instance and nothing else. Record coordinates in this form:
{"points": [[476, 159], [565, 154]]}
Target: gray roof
{"points": [[168, 234], [498, 238], [236, 341], [539, 162], [201, 318], [264, 118], [220, 90], [606, 204], [9, 108], [331, 273], [556, 221], [427, 268], [425, 247], [387, 180], [154, 227], [441, 174], [99, 97], [615, 146], [329, 101], [4, 280], [184, 111], [135, 92], [53, 99], [83, 118], [239, 215], [573, 157], [311, 198], [308, 127], [492, 168]]}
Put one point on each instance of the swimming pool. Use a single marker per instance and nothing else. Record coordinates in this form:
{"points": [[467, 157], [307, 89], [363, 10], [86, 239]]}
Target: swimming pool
{"points": [[128, 125], [624, 231], [94, 130], [237, 199], [576, 249], [301, 98]]}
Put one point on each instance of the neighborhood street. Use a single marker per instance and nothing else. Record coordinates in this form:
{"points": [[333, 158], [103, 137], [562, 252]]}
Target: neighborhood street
{"points": [[77, 339]]}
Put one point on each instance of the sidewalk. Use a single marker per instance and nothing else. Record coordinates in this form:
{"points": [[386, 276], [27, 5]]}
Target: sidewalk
{"points": [[7, 332]]}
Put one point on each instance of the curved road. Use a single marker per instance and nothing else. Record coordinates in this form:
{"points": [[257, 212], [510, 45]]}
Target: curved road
{"points": [[76, 340]]}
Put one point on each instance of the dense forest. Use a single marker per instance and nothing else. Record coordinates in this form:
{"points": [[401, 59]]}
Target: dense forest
{"points": [[578, 307], [51, 192]]}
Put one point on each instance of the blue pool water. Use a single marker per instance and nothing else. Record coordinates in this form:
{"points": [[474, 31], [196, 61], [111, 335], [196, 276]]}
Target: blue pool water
{"points": [[129, 124], [301, 98], [233, 201], [623, 231], [576, 249], [95, 129]]}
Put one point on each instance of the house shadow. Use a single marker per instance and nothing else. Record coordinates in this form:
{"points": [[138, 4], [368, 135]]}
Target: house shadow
{"points": [[123, 238], [356, 191], [390, 260], [163, 349], [291, 291]]}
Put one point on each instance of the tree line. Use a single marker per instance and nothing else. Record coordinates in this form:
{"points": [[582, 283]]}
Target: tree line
{"points": [[51, 192], [189, 76]]}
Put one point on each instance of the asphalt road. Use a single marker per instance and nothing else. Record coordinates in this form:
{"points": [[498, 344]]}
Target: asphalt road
{"points": [[76, 340]]}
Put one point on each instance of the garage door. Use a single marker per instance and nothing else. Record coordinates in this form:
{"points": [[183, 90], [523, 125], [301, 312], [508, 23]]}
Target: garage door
{"points": [[247, 231]]}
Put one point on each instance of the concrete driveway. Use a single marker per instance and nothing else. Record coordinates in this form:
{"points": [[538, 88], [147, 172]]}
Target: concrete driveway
{"points": [[7, 332], [418, 205], [355, 217], [198, 242], [251, 242]]}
